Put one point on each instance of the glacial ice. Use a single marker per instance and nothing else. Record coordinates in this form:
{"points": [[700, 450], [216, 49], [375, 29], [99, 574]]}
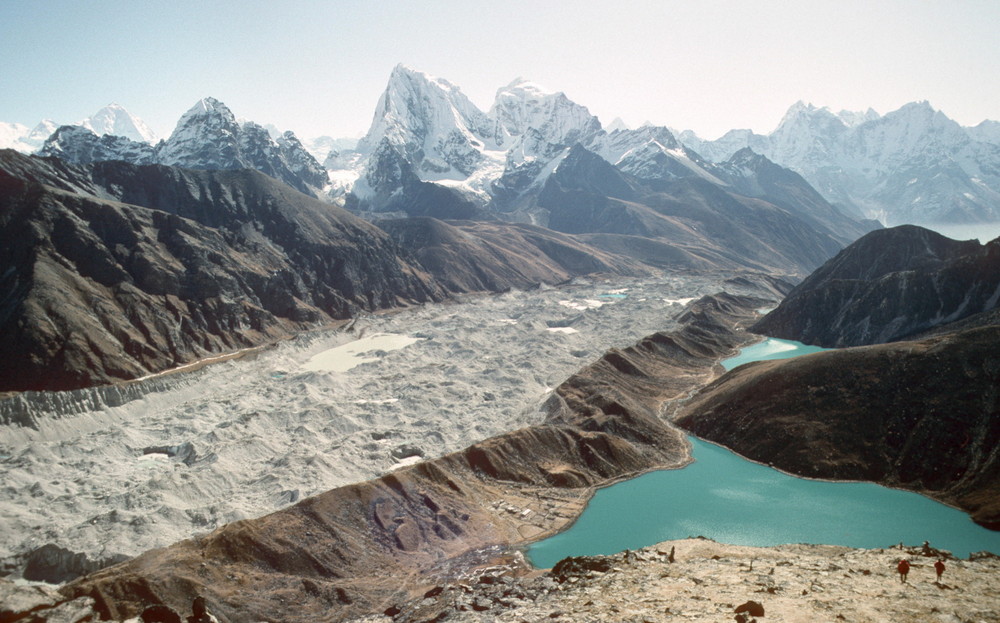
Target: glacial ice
{"points": [[265, 431]]}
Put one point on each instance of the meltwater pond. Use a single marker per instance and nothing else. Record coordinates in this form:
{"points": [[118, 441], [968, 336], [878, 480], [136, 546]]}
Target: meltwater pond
{"points": [[729, 499]]}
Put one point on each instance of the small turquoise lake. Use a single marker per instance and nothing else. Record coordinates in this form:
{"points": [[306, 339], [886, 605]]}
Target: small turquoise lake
{"points": [[729, 499]]}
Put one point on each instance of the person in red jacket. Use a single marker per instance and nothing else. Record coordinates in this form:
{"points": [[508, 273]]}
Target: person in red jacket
{"points": [[939, 567], [903, 567]]}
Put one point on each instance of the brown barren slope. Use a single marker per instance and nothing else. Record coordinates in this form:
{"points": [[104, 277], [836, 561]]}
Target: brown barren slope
{"points": [[923, 416]]}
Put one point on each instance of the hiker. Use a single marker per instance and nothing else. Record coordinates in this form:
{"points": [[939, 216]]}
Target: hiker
{"points": [[939, 567], [200, 613], [903, 567], [671, 557], [926, 551]]}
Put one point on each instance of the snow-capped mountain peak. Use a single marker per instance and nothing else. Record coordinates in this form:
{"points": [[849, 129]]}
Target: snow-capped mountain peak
{"points": [[616, 126], [205, 108], [803, 114], [555, 121], [431, 122], [19, 137], [115, 120], [205, 137], [852, 118]]}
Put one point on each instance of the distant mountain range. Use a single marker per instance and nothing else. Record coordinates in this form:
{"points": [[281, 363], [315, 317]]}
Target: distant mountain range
{"points": [[208, 136], [113, 119], [913, 165]]}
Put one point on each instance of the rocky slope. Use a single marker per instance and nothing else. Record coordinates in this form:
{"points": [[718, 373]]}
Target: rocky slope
{"points": [[707, 581], [476, 256], [362, 548], [754, 175], [923, 416], [888, 285], [587, 195], [115, 271]]}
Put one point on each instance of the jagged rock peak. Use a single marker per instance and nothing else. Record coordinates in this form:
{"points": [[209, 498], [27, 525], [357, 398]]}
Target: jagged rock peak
{"points": [[747, 157], [801, 112], [208, 105], [419, 108], [80, 145], [208, 114]]}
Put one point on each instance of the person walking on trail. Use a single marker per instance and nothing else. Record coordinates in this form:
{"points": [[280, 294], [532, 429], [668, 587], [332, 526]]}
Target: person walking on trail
{"points": [[903, 567], [939, 567]]}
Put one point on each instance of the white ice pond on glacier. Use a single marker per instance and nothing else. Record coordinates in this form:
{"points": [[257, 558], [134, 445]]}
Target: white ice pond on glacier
{"points": [[346, 356], [290, 422]]}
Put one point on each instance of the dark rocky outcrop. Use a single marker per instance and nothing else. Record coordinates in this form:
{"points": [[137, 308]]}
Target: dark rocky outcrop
{"points": [[55, 565], [113, 271], [923, 416], [331, 555], [888, 285]]}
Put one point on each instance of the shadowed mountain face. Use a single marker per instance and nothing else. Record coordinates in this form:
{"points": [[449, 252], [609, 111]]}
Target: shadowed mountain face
{"points": [[888, 285], [923, 416], [114, 271], [754, 175], [473, 256], [697, 217]]}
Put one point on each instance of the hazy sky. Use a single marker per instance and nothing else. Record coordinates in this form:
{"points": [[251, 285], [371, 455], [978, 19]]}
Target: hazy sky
{"points": [[318, 67]]}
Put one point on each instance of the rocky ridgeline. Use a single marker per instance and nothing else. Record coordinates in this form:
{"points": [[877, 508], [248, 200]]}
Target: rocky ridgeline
{"points": [[709, 582], [29, 409], [695, 579], [919, 415], [207, 136], [889, 285], [116, 271]]}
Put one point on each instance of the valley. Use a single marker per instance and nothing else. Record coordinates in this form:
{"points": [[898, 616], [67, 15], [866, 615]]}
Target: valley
{"points": [[264, 431], [361, 385]]}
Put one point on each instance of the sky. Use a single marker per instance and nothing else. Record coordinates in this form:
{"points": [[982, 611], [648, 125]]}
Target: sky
{"points": [[318, 67]]}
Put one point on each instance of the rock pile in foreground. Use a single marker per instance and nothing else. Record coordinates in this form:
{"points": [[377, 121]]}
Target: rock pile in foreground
{"points": [[709, 580]]}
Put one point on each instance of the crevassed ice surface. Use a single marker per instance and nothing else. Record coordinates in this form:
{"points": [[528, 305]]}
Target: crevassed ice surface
{"points": [[267, 431]]}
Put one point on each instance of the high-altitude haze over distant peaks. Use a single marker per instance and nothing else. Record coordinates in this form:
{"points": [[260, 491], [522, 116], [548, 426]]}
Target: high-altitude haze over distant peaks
{"points": [[709, 67], [912, 165]]}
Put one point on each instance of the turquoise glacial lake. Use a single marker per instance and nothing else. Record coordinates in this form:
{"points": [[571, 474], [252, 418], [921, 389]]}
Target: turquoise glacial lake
{"points": [[729, 499]]}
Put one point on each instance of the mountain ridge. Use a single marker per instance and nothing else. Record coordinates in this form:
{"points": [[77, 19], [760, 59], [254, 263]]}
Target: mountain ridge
{"points": [[911, 165], [888, 285]]}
